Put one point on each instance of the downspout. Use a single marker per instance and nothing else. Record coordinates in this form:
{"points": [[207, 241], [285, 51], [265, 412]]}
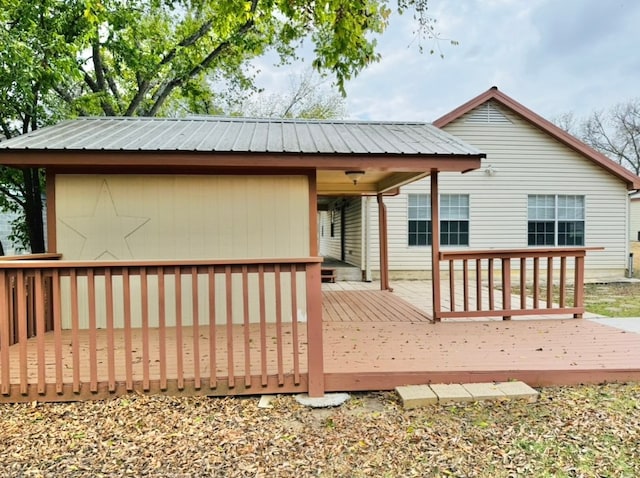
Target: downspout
{"points": [[384, 254], [435, 246]]}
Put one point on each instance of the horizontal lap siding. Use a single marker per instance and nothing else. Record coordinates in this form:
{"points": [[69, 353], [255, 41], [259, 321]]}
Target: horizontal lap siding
{"points": [[330, 246], [181, 217], [353, 232], [526, 161], [175, 217]]}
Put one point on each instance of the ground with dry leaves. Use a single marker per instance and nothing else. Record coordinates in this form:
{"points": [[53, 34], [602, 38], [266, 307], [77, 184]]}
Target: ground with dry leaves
{"points": [[570, 431]]}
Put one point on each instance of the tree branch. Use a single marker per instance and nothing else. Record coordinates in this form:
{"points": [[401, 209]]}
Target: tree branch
{"points": [[143, 89], [95, 88], [145, 85], [5, 129], [190, 40], [167, 89], [13, 196], [97, 65]]}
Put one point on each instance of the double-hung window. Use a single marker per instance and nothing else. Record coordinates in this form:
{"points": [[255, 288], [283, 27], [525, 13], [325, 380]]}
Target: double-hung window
{"points": [[419, 220], [555, 220], [454, 220]]}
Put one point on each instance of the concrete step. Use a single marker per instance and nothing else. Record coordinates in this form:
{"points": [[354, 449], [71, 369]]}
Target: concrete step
{"points": [[414, 396]]}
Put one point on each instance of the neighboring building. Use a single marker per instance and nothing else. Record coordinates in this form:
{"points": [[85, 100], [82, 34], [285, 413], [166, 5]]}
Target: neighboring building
{"points": [[538, 186], [634, 216]]}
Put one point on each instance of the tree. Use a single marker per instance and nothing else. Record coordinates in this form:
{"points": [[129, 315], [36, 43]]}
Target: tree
{"points": [[62, 58], [38, 52], [616, 133], [308, 97]]}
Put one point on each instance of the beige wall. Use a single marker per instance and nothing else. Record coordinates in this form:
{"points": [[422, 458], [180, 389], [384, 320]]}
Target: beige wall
{"points": [[181, 217], [525, 161], [106, 217]]}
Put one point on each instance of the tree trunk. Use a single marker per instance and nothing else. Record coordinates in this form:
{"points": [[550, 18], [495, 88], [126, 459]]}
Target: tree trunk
{"points": [[33, 209]]}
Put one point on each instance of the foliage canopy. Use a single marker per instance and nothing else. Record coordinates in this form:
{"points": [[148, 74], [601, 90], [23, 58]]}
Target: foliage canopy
{"points": [[63, 58]]}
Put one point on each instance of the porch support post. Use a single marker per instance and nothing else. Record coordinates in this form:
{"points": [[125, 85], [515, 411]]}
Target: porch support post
{"points": [[315, 347], [51, 210], [435, 247], [384, 251], [578, 286]]}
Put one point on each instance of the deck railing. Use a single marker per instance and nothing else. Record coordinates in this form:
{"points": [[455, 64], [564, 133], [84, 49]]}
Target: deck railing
{"points": [[73, 330], [482, 281]]}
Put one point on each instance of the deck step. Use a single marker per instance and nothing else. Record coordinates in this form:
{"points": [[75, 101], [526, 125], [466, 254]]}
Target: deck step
{"points": [[328, 274]]}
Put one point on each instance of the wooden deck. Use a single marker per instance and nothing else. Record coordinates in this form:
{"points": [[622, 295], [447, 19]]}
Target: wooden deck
{"points": [[373, 340], [383, 349]]}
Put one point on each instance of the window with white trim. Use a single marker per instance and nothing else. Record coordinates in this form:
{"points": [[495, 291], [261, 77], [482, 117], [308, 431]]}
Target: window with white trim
{"points": [[555, 220], [454, 220]]}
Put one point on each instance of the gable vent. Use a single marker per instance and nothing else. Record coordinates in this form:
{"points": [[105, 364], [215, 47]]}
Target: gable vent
{"points": [[487, 113]]}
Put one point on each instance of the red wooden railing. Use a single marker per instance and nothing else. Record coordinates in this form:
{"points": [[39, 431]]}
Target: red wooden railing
{"points": [[73, 330], [483, 282]]}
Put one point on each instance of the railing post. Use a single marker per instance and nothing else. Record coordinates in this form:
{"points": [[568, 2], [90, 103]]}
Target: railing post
{"points": [[506, 286], [578, 287], [4, 334], [315, 350], [435, 249]]}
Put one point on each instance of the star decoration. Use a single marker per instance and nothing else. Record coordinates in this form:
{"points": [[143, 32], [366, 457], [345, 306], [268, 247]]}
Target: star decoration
{"points": [[105, 232]]}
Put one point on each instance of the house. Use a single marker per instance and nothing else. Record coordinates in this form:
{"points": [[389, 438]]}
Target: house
{"points": [[183, 258], [538, 187], [183, 253]]}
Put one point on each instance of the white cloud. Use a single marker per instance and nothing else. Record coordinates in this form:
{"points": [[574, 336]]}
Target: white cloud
{"points": [[552, 56]]}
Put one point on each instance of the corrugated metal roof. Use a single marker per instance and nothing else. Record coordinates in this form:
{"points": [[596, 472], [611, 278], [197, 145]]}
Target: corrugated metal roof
{"points": [[222, 134]]}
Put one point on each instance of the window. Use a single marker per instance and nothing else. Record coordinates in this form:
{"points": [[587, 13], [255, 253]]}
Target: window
{"points": [[419, 220], [454, 220], [555, 220]]}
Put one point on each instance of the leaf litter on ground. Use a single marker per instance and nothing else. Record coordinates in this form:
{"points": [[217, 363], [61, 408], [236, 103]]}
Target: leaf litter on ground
{"points": [[584, 431]]}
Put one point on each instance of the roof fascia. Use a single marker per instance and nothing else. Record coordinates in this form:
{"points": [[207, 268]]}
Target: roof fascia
{"points": [[156, 161]]}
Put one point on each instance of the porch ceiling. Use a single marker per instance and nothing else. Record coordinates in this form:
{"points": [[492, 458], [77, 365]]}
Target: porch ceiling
{"points": [[386, 175], [337, 183]]}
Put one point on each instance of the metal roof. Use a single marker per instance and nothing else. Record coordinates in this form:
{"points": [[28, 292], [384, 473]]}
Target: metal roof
{"points": [[242, 135]]}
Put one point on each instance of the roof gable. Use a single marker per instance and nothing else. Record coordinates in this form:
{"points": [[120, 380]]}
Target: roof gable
{"points": [[494, 95]]}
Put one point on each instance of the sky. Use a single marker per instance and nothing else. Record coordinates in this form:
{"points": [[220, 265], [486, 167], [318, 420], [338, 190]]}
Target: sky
{"points": [[553, 56]]}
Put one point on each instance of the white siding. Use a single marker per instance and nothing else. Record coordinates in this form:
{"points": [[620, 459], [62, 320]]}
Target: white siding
{"points": [[524, 161], [353, 232], [331, 246]]}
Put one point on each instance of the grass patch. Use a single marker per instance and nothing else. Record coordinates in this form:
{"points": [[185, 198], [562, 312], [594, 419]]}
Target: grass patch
{"points": [[617, 299], [613, 300]]}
